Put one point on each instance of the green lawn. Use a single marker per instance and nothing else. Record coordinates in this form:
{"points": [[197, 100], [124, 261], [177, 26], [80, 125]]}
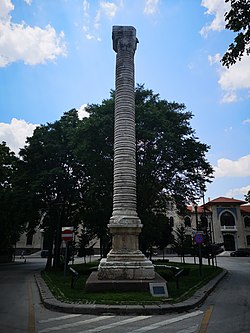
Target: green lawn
{"points": [[188, 284]]}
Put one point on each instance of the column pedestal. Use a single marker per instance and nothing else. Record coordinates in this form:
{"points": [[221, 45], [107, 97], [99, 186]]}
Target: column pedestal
{"points": [[125, 261]]}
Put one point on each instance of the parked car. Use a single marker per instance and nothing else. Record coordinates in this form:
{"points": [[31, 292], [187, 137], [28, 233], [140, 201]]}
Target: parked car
{"points": [[240, 253]]}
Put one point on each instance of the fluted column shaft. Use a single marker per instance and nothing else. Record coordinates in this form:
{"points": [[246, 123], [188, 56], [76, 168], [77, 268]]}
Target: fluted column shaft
{"points": [[124, 198]]}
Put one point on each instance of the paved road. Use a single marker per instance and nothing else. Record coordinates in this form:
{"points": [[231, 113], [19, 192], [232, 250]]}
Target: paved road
{"points": [[226, 310], [17, 287], [230, 303]]}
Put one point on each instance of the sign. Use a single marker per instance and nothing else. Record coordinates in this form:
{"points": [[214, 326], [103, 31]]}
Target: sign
{"points": [[198, 238], [158, 289], [67, 235]]}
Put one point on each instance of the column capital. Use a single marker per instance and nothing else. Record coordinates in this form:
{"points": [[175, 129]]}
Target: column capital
{"points": [[124, 38]]}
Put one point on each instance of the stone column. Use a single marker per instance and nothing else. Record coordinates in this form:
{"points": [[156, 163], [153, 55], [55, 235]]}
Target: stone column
{"points": [[125, 260]]}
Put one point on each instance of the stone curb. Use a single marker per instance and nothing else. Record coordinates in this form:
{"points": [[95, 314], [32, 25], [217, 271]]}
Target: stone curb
{"points": [[51, 303]]}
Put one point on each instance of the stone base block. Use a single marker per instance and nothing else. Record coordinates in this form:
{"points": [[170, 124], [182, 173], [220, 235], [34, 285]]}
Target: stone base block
{"points": [[93, 284], [130, 269]]}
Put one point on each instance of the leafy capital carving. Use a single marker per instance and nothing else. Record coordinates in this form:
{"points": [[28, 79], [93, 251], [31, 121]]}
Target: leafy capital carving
{"points": [[124, 39]]}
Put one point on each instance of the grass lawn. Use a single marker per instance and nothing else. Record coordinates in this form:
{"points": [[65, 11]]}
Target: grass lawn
{"points": [[190, 282]]}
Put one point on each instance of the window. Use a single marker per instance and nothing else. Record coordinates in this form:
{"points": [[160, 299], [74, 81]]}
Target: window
{"points": [[187, 221], [247, 221], [227, 219], [248, 239]]}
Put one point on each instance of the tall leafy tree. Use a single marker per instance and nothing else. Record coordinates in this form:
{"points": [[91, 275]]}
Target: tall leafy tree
{"points": [[238, 21], [54, 177], [182, 243], [171, 162], [10, 222], [95, 150]]}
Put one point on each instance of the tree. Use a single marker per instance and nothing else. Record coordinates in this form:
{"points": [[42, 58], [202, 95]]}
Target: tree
{"points": [[11, 224], [182, 243], [238, 21], [171, 162], [95, 150], [54, 178], [247, 197], [156, 233]]}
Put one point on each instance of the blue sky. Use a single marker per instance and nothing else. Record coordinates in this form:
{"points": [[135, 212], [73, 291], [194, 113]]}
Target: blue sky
{"points": [[56, 55]]}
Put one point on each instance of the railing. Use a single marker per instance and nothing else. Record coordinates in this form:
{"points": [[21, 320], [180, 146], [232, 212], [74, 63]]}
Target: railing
{"points": [[228, 227]]}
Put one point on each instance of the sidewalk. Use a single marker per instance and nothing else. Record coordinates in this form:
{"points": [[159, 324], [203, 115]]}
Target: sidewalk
{"points": [[50, 302]]}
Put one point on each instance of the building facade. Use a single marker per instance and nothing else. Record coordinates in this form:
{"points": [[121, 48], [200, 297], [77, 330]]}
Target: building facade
{"points": [[228, 222]]}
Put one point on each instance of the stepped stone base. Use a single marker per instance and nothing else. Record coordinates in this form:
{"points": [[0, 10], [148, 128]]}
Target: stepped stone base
{"points": [[126, 267], [93, 284]]}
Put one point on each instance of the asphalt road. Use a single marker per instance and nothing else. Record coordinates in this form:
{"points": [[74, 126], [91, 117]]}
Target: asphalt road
{"points": [[230, 303], [226, 310]]}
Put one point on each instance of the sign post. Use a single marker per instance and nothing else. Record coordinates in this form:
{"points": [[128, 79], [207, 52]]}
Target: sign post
{"points": [[67, 235], [199, 239]]}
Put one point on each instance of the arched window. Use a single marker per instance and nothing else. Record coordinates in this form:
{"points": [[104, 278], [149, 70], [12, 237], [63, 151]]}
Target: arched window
{"points": [[187, 221], [248, 239], [227, 219], [247, 221]]}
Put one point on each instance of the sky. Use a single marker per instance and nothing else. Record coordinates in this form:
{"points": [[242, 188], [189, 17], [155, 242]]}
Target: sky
{"points": [[56, 55]]}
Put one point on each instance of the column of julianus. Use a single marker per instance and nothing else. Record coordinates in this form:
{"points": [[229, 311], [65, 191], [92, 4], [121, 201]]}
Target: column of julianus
{"points": [[125, 260]]}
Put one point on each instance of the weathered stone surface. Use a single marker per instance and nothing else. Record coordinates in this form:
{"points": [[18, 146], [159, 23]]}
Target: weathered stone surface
{"points": [[125, 260]]}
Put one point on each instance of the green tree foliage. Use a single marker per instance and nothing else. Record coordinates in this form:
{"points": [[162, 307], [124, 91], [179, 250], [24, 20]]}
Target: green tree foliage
{"points": [[54, 177], [247, 197], [182, 243], [171, 163], [95, 150], [67, 170], [156, 233], [238, 21], [10, 225]]}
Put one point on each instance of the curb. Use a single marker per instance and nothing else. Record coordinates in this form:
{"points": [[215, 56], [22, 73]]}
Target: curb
{"points": [[51, 303]]}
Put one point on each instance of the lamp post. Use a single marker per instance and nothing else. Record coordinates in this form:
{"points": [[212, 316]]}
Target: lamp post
{"points": [[198, 243]]}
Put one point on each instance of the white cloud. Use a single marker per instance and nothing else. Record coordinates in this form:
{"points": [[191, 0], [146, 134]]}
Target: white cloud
{"points": [[108, 8], [15, 133], [230, 168], [214, 59], [29, 2], [218, 9], [237, 76], [151, 7], [82, 113], [228, 130], [229, 97], [21, 42], [232, 79], [246, 121], [91, 26], [242, 191]]}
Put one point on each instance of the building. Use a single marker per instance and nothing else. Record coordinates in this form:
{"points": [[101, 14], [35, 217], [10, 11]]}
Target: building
{"points": [[228, 222]]}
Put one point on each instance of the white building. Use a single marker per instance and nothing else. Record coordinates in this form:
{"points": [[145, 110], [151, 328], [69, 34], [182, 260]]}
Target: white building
{"points": [[228, 223]]}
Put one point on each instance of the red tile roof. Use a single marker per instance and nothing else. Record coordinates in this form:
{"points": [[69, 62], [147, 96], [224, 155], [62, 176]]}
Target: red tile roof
{"points": [[245, 208], [226, 200], [200, 209]]}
